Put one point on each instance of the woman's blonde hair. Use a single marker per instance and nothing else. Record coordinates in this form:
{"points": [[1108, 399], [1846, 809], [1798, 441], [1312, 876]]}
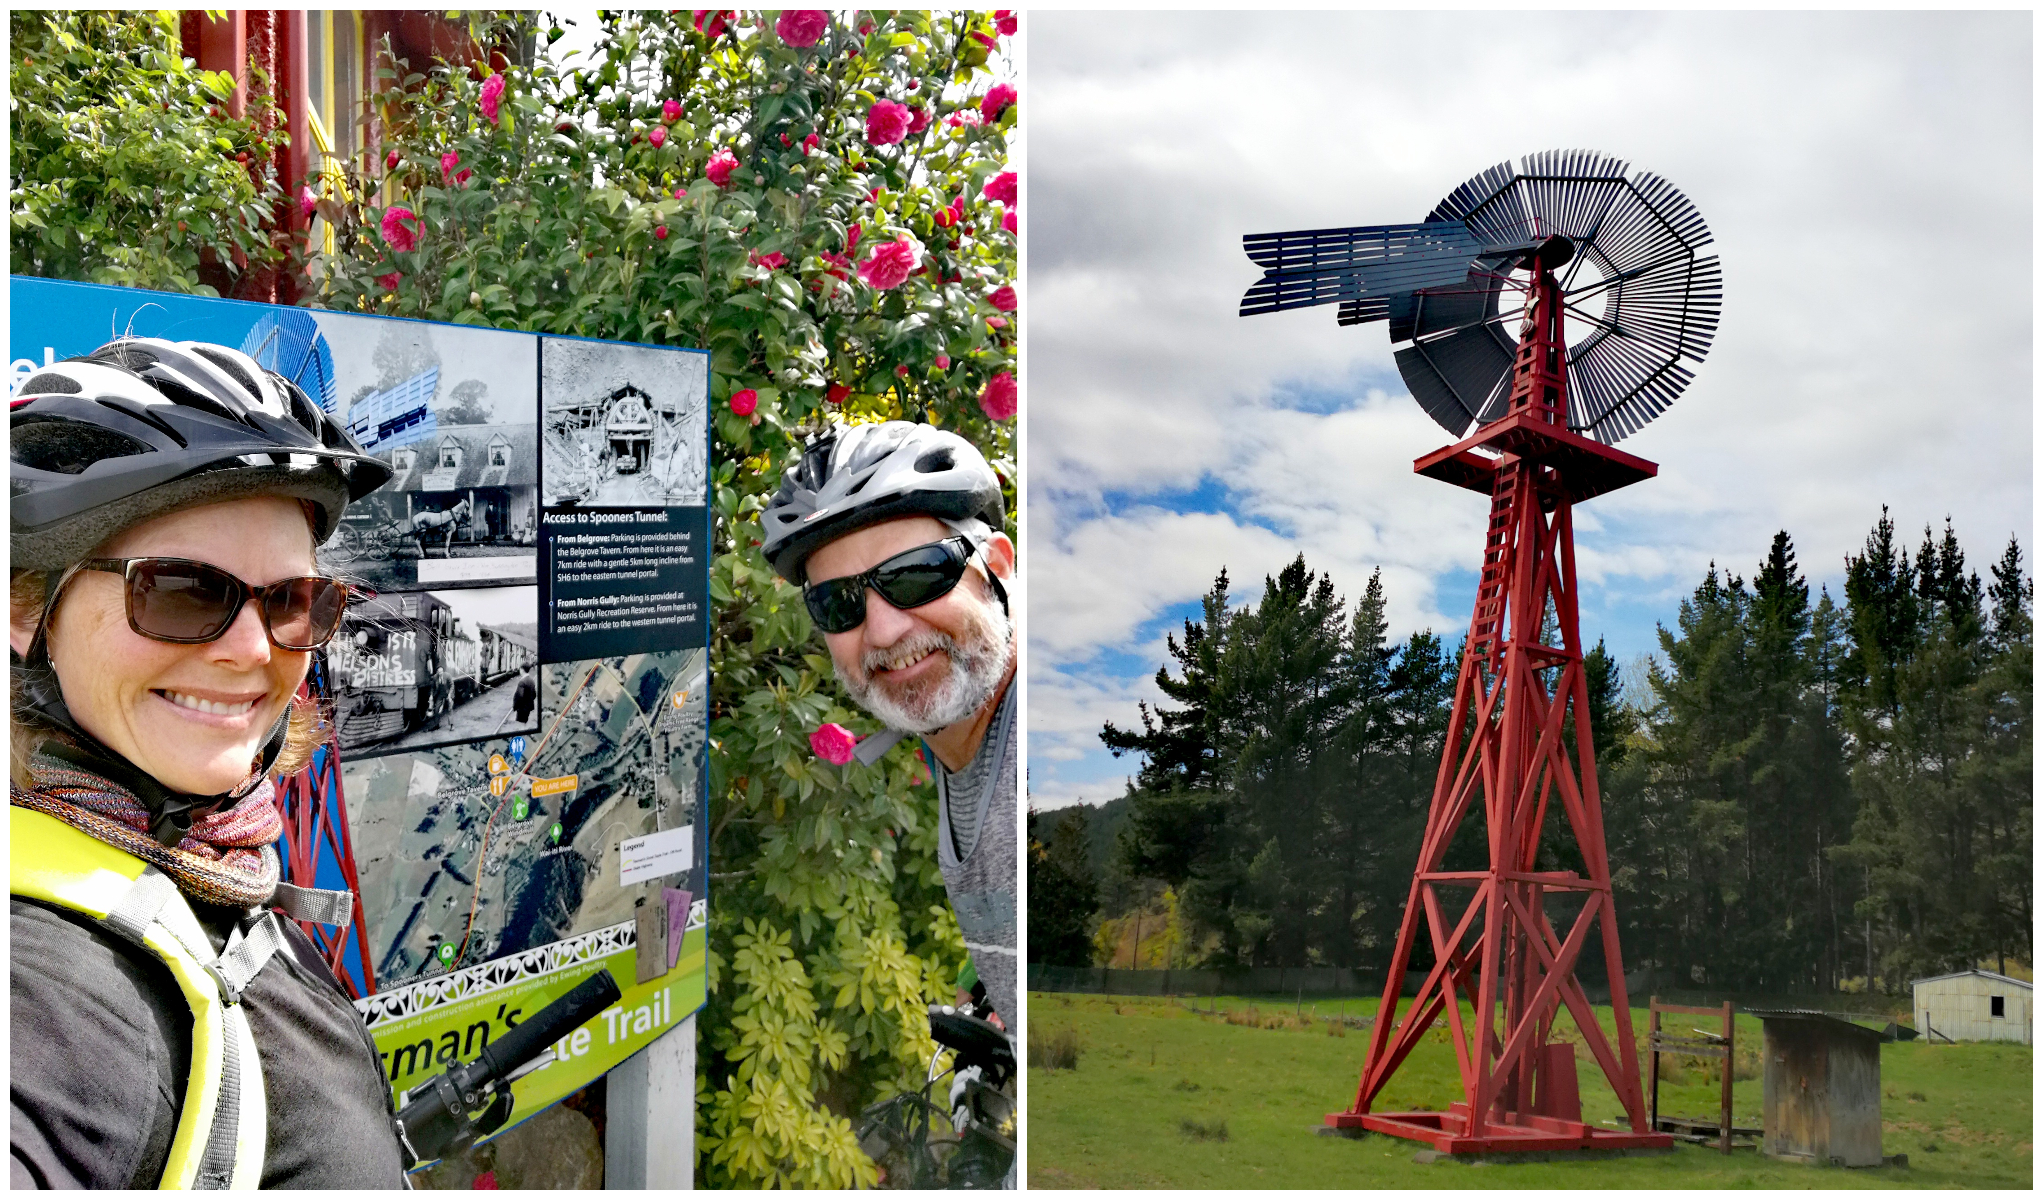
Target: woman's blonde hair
{"points": [[305, 731]]}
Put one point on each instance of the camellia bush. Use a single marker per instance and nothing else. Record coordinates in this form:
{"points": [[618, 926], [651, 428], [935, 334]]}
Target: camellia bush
{"points": [[822, 201], [124, 163]]}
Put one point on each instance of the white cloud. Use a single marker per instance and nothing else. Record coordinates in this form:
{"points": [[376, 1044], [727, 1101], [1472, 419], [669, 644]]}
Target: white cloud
{"points": [[1868, 180]]}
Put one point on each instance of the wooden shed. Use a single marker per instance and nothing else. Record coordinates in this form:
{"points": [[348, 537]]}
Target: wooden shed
{"points": [[1974, 1006], [1822, 1089]]}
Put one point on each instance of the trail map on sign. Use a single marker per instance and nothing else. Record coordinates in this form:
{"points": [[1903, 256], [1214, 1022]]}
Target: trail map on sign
{"points": [[445, 861]]}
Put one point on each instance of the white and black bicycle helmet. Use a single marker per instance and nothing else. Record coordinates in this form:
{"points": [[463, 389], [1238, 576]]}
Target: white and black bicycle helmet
{"points": [[143, 426], [860, 475]]}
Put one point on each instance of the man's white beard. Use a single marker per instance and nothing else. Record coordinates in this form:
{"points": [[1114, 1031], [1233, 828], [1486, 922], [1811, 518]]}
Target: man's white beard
{"points": [[976, 669]]}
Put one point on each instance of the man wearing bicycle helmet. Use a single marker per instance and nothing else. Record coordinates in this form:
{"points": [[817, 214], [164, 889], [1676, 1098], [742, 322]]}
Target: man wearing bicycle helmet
{"points": [[167, 1028], [894, 533]]}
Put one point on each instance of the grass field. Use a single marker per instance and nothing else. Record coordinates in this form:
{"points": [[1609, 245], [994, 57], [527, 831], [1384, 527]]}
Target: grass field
{"points": [[1164, 1096]]}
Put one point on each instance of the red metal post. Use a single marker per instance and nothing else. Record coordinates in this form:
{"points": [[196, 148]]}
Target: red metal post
{"points": [[315, 813], [1520, 687]]}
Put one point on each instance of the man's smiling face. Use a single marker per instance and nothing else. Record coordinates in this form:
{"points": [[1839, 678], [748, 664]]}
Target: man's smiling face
{"points": [[923, 668]]}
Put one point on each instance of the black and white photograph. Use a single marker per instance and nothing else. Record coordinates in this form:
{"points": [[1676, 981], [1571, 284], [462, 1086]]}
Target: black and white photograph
{"points": [[417, 669], [454, 411], [626, 426]]}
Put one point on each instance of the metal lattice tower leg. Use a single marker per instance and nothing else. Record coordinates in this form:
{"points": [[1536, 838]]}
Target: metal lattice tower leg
{"points": [[1520, 687], [315, 816]]}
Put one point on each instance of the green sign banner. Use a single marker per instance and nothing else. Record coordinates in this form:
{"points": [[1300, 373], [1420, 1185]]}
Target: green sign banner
{"points": [[457, 1024]]}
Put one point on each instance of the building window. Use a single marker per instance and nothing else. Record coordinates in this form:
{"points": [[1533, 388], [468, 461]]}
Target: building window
{"points": [[500, 453], [2000, 1006], [450, 456], [404, 459]]}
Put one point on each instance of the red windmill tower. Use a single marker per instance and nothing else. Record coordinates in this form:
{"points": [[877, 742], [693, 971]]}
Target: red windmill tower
{"points": [[1559, 235]]}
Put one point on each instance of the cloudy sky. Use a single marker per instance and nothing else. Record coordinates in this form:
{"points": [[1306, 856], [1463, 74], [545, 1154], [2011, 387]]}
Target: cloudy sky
{"points": [[1868, 181]]}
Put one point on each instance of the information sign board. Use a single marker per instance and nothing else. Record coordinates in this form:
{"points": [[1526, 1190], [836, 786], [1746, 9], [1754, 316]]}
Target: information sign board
{"points": [[522, 711]]}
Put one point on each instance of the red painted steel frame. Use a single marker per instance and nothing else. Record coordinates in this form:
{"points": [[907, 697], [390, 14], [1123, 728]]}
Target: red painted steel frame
{"points": [[1514, 696], [316, 814]]}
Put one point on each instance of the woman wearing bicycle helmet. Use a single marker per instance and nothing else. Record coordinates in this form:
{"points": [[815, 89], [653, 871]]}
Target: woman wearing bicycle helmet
{"points": [[167, 1028]]}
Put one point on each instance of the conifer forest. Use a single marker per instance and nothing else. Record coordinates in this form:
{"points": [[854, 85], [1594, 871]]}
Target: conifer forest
{"points": [[1800, 792]]}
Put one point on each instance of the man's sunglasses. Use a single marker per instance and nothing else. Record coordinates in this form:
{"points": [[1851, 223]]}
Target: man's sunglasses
{"points": [[910, 579], [190, 603]]}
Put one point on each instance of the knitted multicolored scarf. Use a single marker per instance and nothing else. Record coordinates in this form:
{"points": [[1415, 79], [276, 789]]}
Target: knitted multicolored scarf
{"points": [[228, 858]]}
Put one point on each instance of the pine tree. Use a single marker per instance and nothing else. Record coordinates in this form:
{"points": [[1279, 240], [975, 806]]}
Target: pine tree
{"points": [[1063, 890], [1176, 745], [1879, 588]]}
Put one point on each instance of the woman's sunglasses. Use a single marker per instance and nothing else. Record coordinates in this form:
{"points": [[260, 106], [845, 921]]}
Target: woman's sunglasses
{"points": [[190, 603], [910, 579]]}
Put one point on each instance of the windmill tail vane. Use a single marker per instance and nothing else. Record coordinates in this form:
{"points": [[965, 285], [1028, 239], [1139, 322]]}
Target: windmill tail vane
{"points": [[1536, 412]]}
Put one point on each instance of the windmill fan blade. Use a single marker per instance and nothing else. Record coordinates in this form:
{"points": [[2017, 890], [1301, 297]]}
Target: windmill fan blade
{"points": [[1460, 377], [1421, 314], [289, 342], [1629, 369], [1641, 241], [1637, 252], [1328, 266]]}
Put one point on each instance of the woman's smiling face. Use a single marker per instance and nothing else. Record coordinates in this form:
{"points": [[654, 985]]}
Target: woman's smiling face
{"points": [[193, 717]]}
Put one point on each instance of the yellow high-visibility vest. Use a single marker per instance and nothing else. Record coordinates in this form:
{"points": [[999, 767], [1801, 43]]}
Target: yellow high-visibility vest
{"points": [[223, 1128]]}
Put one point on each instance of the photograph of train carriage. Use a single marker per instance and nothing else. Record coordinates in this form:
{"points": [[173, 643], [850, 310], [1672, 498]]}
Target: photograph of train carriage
{"points": [[424, 668]]}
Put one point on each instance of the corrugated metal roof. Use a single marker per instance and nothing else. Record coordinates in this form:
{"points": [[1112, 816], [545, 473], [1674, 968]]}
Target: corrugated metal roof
{"points": [[2021, 983], [1824, 1019]]}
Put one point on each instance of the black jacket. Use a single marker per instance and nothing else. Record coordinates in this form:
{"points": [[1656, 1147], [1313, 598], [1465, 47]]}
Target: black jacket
{"points": [[100, 1044]]}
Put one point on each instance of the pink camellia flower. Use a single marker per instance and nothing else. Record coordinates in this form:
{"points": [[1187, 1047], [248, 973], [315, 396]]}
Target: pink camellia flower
{"points": [[1001, 188], [680, 193], [390, 161], [810, 143], [448, 162], [886, 122], [492, 93], [743, 403], [709, 22], [658, 137], [991, 43], [670, 111], [1009, 223], [833, 743], [1001, 397], [996, 322], [891, 264], [802, 26], [851, 236], [389, 281], [771, 262], [307, 202], [401, 237], [721, 164], [918, 119], [943, 362], [1003, 299], [838, 393], [660, 233], [996, 102], [462, 176], [1005, 21]]}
